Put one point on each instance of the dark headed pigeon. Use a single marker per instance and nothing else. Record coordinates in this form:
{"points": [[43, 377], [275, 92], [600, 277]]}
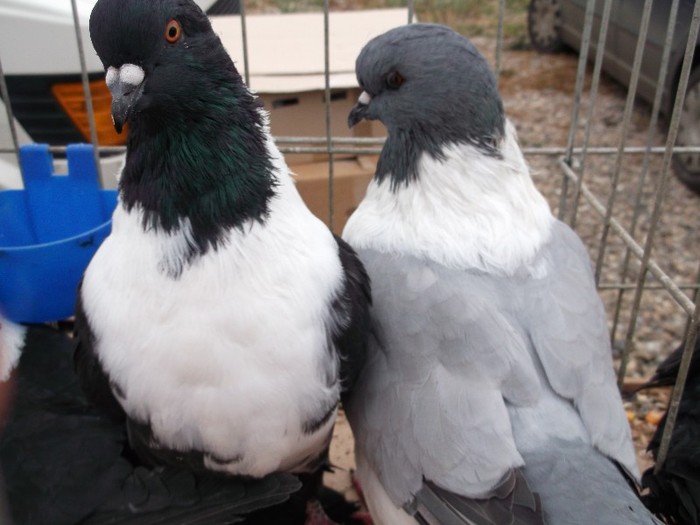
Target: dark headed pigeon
{"points": [[489, 394], [220, 317]]}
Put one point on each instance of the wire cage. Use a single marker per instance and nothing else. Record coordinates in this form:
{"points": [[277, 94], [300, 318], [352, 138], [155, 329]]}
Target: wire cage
{"points": [[603, 158]]}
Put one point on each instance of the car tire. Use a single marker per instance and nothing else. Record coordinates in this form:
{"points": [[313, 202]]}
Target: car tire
{"points": [[686, 166], [543, 22]]}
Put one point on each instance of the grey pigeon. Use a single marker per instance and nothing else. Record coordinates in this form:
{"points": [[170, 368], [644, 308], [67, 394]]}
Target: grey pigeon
{"points": [[489, 394], [220, 317]]}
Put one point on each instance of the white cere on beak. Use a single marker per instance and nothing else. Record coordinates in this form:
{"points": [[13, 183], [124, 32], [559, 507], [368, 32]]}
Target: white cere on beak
{"points": [[127, 74], [364, 98], [131, 74], [112, 76]]}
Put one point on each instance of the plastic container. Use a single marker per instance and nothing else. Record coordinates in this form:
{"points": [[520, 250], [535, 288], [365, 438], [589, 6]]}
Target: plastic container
{"points": [[49, 231]]}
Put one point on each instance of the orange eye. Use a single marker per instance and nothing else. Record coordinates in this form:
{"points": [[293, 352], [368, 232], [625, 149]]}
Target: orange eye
{"points": [[173, 31]]}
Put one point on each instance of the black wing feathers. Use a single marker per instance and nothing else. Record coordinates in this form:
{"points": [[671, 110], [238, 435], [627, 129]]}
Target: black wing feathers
{"points": [[674, 491], [64, 462], [59, 456], [352, 314], [667, 371], [177, 497], [93, 379]]}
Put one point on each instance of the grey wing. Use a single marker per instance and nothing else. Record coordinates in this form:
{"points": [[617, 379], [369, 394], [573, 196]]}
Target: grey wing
{"points": [[430, 402], [570, 335], [451, 347]]}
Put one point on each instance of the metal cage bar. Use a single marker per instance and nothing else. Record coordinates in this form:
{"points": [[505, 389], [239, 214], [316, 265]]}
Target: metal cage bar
{"points": [[86, 88], [578, 93], [10, 115], [638, 251], [593, 96], [373, 146], [626, 119], [499, 38], [327, 107], [656, 109], [244, 38]]}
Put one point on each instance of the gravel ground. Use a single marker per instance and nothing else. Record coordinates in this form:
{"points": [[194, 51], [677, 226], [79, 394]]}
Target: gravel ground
{"points": [[538, 96]]}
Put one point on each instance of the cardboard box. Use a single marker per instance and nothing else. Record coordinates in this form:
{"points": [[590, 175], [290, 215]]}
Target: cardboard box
{"points": [[303, 115], [286, 51], [286, 63], [350, 180]]}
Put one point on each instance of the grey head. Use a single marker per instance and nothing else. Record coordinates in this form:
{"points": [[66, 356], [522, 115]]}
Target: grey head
{"points": [[430, 87]]}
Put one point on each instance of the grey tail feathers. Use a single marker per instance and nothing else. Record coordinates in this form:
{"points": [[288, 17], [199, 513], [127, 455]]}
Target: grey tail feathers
{"points": [[511, 502]]}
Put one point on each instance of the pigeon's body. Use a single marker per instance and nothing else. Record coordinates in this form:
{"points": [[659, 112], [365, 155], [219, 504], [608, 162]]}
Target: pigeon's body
{"points": [[489, 384], [220, 317], [235, 332]]}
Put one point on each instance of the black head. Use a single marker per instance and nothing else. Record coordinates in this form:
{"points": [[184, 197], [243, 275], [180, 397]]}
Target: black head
{"points": [[430, 87], [173, 45], [196, 148]]}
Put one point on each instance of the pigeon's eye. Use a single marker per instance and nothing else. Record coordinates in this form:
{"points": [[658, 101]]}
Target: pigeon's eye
{"points": [[173, 31], [394, 80]]}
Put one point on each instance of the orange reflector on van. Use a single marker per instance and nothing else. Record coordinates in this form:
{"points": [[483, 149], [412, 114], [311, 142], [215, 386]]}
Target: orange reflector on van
{"points": [[71, 97]]}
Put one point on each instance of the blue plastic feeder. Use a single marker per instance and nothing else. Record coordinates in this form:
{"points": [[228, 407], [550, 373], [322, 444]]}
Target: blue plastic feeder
{"points": [[49, 231]]}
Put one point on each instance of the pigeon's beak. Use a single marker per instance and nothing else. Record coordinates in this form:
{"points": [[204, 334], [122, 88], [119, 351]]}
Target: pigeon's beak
{"points": [[126, 86], [359, 111]]}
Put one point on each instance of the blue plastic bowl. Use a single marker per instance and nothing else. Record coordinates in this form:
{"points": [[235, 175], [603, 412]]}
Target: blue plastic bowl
{"points": [[49, 232]]}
